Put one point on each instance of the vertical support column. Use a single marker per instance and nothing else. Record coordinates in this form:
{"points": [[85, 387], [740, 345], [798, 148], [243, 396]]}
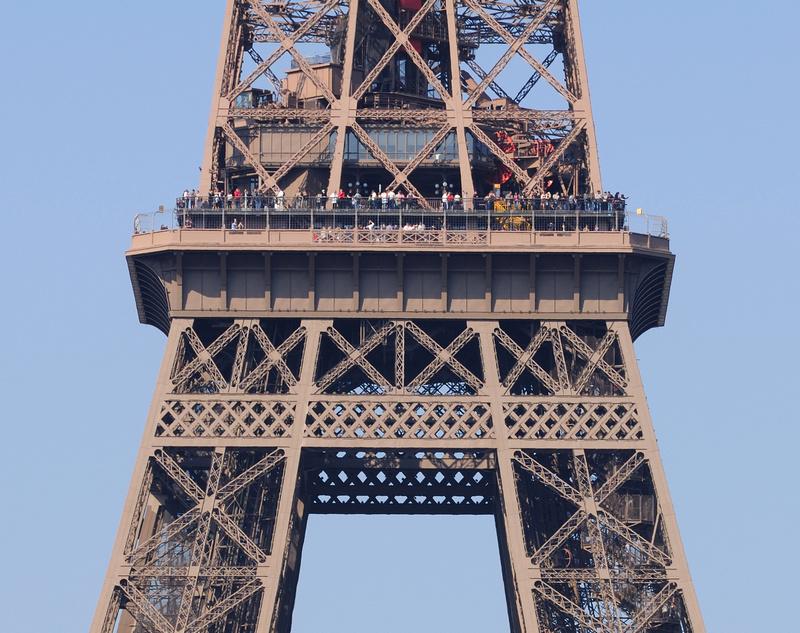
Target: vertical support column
{"points": [[312, 281], [519, 584], [457, 113], [680, 568], [444, 282], [344, 109], [487, 290], [401, 296], [219, 105], [268, 280], [281, 575], [177, 300], [578, 83], [223, 280], [356, 281], [117, 570]]}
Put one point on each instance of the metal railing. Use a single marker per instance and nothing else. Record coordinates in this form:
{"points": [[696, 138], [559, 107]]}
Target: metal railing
{"points": [[407, 222]]}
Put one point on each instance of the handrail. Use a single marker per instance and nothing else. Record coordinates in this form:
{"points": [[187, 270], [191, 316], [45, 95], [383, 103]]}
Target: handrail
{"points": [[402, 221]]}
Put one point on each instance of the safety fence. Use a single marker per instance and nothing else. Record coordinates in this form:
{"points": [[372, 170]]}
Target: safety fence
{"points": [[402, 225]]}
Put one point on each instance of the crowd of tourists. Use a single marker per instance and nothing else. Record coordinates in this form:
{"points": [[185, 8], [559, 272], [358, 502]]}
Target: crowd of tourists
{"points": [[247, 200]]}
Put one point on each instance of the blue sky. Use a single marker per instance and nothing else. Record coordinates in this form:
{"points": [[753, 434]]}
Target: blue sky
{"points": [[104, 109]]}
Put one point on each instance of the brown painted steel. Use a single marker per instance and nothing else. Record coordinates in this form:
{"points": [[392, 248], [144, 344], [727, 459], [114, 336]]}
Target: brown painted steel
{"points": [[445, 371]]}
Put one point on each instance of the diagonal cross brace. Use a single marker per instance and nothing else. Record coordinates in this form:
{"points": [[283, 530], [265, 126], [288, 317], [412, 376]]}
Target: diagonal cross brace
{"points": [[400, 38], [274, 357], [387, 162], [222, 607], [236, 533], [287, 44], [545, 378], [620, 476], [443, 356], [415, 162], [599, 353], [476, 68], [512, 50], [383, 14], [623, 531], [139, 556], [549, 478], [648, 612], [509, 39], [535, 183], [261, 467], [179, 476], [569, 607], [588, 353], [559, 537], [205, 356], [357, 356], [145, 608], [535, 77]]}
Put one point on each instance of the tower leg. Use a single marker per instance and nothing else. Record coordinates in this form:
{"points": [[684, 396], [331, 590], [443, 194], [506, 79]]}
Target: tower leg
{"points": [[516, 565], [281, 581], [680, 565]]}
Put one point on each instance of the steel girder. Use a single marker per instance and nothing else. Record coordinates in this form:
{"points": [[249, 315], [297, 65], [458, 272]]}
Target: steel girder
{"points": [[268, 33], [256, 423]]}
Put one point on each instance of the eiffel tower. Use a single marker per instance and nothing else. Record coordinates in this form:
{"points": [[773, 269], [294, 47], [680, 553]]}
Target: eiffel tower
{"points": [[397, 290]]}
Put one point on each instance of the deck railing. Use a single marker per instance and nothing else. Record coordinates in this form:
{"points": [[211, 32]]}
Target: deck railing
{"points": [[406, 224]]}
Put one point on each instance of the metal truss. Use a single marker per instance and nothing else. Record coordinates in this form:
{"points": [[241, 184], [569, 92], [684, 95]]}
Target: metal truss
{"points": [[439, 48], [259, 420], [542, 424]]}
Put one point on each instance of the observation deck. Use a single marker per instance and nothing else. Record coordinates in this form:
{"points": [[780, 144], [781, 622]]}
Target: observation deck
{"points": [[429, 261]]}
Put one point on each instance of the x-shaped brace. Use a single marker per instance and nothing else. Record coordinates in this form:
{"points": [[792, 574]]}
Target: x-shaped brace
{"points": [[274, 357], [443, 356], [205, 356], [524, 359], [286, 44], [357, 356], [410, 50], [510, 40], [430, 146], [382, 158], [514, 47], [401, 37], [595, 358]]}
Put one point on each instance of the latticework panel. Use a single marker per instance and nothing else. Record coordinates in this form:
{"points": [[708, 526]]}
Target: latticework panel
{"points": [[201, 527], [400, 482], [544, 359], [258, 424], [225, 418], [594, 528], [552, 420], [377, 420]]}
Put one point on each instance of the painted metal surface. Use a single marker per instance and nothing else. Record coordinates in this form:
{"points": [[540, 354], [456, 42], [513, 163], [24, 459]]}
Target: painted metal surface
{"points": [[473, 369]]}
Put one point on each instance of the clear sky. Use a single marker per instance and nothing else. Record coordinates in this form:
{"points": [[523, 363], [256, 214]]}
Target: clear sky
{"points": [[104, 111]]}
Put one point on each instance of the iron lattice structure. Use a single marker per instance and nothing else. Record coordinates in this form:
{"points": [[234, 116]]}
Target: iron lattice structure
{"points": [[400, 95], [480, 373]]}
